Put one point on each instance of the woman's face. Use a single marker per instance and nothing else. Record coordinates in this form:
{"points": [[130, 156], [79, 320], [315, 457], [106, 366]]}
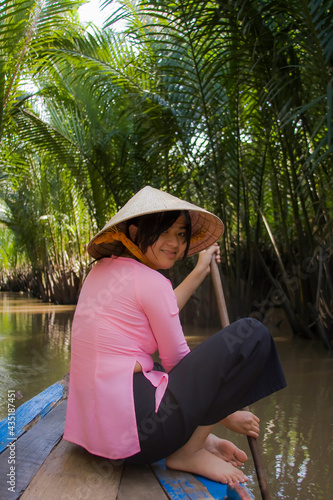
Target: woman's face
{"points": [[169, 247]]}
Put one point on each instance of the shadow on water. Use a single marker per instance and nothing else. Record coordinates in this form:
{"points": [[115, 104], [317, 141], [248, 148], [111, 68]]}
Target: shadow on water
{"points": [[296, 440]]}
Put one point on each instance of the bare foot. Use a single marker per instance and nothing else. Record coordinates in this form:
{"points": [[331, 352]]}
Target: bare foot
{"points": [[226, 450], [205, 464]]}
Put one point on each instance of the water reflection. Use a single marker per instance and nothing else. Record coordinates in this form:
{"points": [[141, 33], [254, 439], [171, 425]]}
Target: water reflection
{"points": [[298, 424], [34, 346], [296, 439]]}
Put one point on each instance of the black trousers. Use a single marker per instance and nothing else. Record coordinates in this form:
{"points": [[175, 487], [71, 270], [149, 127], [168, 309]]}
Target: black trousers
{"points": [[232, 369]]}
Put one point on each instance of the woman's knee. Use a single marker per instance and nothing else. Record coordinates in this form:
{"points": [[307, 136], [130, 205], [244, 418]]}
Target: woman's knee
{"points": [[246, 332], [252, 328]]}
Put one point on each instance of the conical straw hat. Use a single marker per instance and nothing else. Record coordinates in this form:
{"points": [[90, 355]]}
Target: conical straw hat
{"points": [[207, 226]]}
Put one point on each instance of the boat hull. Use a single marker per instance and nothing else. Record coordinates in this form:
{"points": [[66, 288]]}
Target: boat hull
{"points": [[40, 464]]}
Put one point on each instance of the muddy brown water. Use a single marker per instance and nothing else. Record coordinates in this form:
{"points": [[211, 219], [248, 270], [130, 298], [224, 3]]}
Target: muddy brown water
{"points": [[296, 440]]}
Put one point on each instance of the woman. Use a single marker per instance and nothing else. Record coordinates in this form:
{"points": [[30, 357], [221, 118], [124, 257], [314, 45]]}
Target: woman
{"points": [[123, 406]]}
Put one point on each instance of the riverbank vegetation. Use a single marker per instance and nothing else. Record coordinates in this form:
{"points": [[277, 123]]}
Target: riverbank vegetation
{"points": [[227, 104]]}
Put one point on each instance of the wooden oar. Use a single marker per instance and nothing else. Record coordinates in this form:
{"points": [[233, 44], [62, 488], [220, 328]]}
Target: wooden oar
{"points": [[224, 318]]}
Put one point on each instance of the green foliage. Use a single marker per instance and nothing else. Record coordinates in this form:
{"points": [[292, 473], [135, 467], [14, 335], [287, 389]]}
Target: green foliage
{"points": [[225, 103]]}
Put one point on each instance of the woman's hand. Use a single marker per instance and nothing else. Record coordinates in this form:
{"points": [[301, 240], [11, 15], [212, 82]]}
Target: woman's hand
{"points": [[242, 422], [195, 278], [205, 258]]}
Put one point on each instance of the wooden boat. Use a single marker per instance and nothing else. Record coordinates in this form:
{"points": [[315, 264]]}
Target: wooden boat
{"points": [[37, 463]]}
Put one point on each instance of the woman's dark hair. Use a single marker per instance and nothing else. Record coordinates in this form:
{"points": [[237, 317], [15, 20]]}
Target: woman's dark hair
{"points": [[151, 226]]}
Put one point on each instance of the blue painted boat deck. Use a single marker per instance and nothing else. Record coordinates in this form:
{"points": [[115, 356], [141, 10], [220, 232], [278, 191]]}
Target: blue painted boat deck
{"points": [[183, 486], [36, 407], [180, 486]]}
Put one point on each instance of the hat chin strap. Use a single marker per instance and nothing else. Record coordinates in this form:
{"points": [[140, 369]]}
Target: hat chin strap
{"points": [[114, 234]]}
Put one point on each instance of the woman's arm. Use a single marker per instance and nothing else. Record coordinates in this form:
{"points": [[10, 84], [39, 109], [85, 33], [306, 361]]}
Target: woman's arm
{"points": [[187, 287], [159, 304]]}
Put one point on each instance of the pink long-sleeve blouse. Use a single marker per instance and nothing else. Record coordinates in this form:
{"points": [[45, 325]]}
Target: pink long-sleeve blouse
{"points": [[126, 311]]}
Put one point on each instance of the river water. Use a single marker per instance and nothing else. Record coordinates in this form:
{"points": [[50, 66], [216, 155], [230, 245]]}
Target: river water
{"points": [[296, 440]]}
